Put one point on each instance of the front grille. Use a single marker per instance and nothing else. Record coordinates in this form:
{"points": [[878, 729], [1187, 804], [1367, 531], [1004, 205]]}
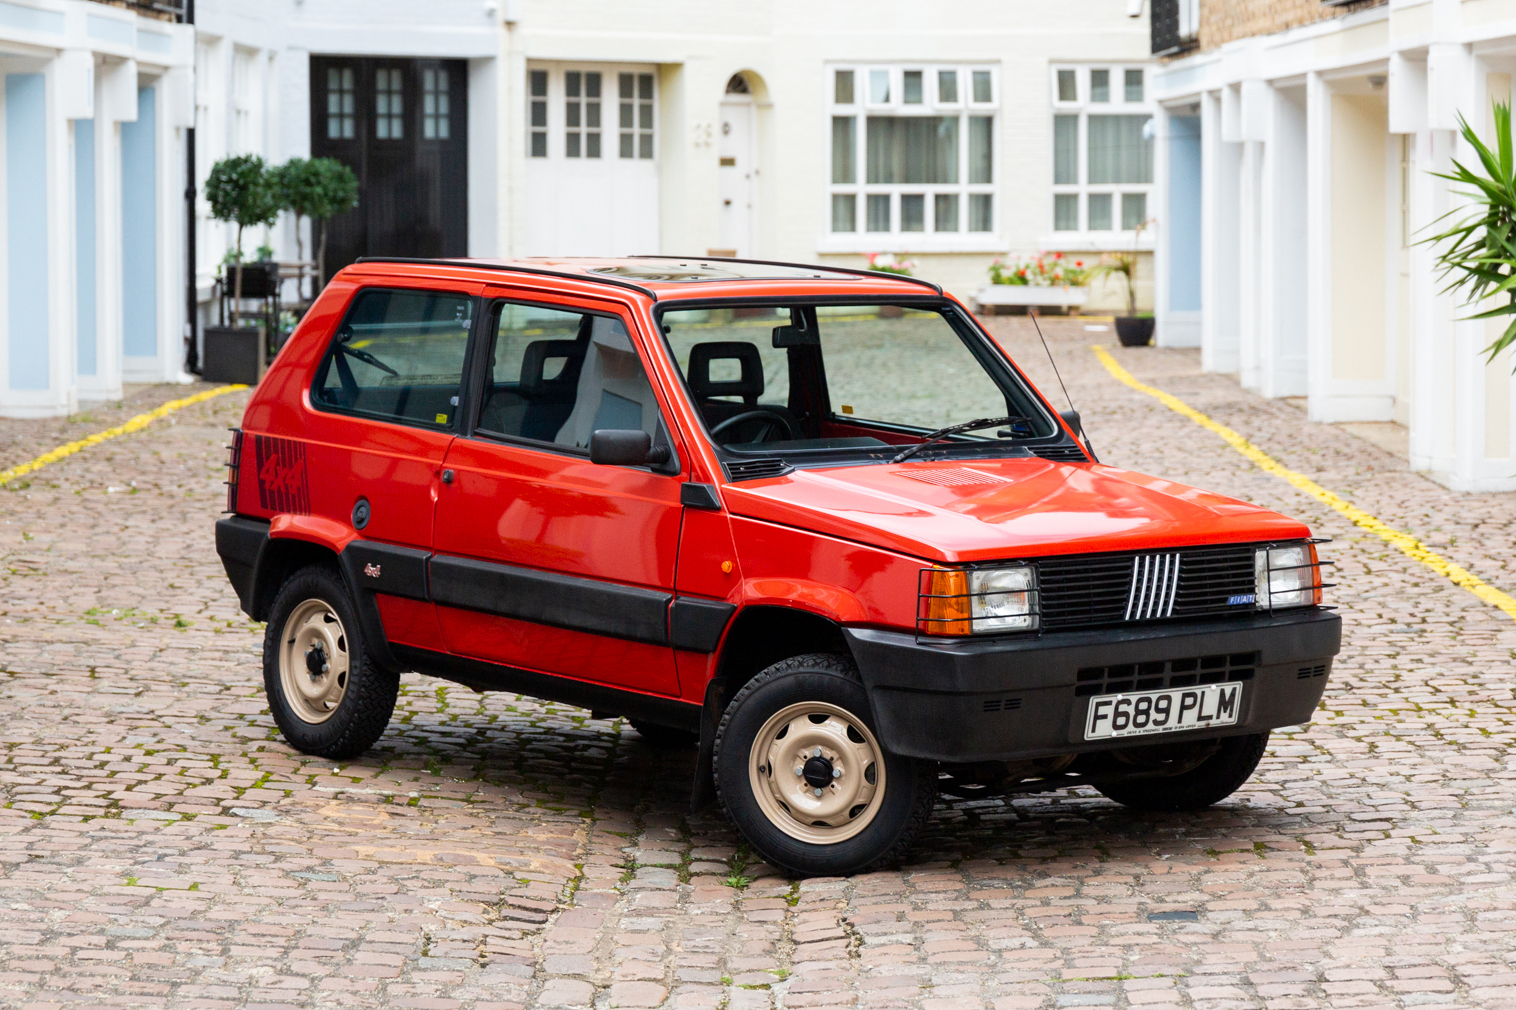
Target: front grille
{"points": [[752, 469], [1125, 677], [1060, 453], [1095, 589]]}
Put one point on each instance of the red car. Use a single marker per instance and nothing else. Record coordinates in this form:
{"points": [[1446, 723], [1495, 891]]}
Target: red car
{"points": [[814, 520]]}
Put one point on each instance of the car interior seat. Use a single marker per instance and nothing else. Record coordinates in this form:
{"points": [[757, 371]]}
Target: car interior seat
{"points": [[613, 391], [749, 387]]}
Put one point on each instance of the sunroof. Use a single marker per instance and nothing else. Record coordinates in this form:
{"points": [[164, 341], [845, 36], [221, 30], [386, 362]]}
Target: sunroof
{"points": [[708, 270]]}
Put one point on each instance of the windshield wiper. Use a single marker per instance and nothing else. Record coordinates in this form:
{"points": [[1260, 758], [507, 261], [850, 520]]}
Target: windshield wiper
{"points": [[955, 429]]}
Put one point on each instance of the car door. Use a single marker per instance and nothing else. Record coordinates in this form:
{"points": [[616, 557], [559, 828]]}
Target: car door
{"points": [[545, 561], [388, 390]]}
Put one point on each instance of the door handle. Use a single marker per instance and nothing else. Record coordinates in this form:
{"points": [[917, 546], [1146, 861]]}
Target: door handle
{"points": [[447, 476]]}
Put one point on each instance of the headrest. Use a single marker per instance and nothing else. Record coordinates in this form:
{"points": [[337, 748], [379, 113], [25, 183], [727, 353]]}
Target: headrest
{"points": [[538, 353], [749, 387], [609, 333]]}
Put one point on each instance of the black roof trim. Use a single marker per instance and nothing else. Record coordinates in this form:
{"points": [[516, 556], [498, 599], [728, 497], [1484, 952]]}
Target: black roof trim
{"points": [[876, 274], [591, 279]]}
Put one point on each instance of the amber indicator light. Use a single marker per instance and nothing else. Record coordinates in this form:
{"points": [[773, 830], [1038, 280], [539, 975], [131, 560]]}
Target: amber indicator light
{"points": [[944, 603]]}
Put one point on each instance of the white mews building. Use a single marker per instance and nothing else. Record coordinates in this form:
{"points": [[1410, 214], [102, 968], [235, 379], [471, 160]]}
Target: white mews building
{"points": [[948, 135], [1298, 142]]}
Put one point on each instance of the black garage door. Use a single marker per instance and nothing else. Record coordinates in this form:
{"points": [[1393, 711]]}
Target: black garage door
{"points": [[401, 125]]}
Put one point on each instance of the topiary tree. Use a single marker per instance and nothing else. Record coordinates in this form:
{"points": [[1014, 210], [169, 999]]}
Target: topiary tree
{"points": [[298, 182], [330, 189], [240, 190]]}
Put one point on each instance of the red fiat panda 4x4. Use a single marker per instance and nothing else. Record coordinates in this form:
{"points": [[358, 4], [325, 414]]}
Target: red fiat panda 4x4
{"points": [[816, 521]]}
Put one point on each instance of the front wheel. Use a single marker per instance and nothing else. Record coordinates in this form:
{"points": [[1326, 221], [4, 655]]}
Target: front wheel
{"points": [[326, 694], [1212, 780], [802, 774]]}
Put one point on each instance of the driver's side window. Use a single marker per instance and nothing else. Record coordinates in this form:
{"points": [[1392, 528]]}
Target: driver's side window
{"points": [[558, 375]]}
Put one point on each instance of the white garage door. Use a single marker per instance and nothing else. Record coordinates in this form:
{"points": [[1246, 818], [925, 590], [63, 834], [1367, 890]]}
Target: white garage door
{"points": [[592, 159]]}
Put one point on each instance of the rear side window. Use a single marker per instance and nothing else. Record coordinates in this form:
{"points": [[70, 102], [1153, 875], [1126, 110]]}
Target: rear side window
{"points": [[399, 355]]}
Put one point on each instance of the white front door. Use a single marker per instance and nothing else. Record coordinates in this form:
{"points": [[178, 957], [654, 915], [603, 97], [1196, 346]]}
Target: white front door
{"points": [[738, 179], [592, 159]]}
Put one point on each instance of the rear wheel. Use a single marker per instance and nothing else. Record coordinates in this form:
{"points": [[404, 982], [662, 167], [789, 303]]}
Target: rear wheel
{"points": [[1231, 762], [326, 694], [801, 772]]}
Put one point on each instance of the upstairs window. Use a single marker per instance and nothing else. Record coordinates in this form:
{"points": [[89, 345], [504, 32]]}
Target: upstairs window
{"points": [[1102, 149], [912, 152]]}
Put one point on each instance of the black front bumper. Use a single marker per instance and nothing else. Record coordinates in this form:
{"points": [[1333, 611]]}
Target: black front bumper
{"points": [[1015, 698]]}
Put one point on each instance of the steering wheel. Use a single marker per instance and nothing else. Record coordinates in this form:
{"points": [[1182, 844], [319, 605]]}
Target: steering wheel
{"points": [[776, 421]]}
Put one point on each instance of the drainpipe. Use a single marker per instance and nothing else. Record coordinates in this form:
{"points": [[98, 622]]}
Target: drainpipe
{"points": [[191, 292]]}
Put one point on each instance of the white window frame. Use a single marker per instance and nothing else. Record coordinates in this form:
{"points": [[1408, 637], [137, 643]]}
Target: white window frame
{"points": [[928, 240], [1083, 238], [610, 111]]}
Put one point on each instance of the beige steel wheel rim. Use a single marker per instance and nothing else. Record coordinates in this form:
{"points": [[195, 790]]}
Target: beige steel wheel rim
{"points": [[313, 661], [808, 737]]}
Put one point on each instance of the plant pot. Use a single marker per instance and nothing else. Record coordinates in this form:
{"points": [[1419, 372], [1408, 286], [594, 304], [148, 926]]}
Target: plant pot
{"points": [[232, 355], [1134, 331], [259, 280]]}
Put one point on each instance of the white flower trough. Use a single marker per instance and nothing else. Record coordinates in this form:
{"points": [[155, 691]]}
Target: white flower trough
{"points": [[1032, 295]]}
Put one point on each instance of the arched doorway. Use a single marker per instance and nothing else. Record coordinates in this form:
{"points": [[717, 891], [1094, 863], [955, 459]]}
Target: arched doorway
{"points": [[738, 182]]}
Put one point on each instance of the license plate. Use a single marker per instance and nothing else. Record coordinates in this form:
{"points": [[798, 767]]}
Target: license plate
{"points": [[1144, 712]]}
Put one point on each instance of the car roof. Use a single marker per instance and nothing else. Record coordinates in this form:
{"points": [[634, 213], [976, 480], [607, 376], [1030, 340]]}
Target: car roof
{"points": [[672, 278]]}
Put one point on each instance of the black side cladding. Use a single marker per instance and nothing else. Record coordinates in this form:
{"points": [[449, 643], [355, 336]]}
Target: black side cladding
{"points": [[562, 601], [696, 625]]}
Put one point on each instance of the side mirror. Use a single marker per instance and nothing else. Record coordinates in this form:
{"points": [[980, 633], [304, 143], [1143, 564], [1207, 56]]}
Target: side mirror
{"points": [[626, 447], [1072, 417]]}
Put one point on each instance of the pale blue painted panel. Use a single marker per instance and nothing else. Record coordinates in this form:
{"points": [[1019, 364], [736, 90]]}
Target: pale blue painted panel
{"points": [[110, 30], [30, 19], [84, 241], [155, 42], [1184, 213], [26, 229], [139, 230]]}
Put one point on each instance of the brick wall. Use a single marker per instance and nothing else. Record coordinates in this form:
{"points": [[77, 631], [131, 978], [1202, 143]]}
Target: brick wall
{"points": [[1221, 21]]}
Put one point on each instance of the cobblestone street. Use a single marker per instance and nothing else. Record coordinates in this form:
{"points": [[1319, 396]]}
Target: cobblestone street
{"points": [[161, 846]]}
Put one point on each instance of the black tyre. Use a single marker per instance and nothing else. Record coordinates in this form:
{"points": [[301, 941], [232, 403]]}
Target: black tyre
{"points": [[1211, 781], [326, 694], [801, 772], [664, 737]]}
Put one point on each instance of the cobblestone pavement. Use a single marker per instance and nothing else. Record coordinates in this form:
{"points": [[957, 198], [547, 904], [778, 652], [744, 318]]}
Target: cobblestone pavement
{"points": [[160, 846]]}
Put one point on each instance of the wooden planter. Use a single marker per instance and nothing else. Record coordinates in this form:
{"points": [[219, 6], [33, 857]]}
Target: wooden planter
{"points": [[232, 355]]}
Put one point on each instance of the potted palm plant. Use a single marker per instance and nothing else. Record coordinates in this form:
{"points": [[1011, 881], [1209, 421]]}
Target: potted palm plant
{"points": [[1132, 330], [1479, 257]]}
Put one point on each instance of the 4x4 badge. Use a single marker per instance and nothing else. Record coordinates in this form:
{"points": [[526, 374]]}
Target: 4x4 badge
{"points": [[372, 571]]}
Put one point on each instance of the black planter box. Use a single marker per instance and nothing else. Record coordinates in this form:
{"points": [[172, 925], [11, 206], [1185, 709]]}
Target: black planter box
{"points": [[232, 355], [1135, 331], [259, 280]]}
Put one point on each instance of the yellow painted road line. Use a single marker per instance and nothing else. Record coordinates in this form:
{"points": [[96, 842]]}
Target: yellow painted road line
{"points": [[1403, 542], [134, 424]]}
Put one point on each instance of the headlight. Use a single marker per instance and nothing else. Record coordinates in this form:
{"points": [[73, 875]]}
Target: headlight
{"points": [[1287, 576], [978, 601]]}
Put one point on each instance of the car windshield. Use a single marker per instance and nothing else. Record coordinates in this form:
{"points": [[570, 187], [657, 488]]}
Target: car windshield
{"points": [[847, 379]]}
